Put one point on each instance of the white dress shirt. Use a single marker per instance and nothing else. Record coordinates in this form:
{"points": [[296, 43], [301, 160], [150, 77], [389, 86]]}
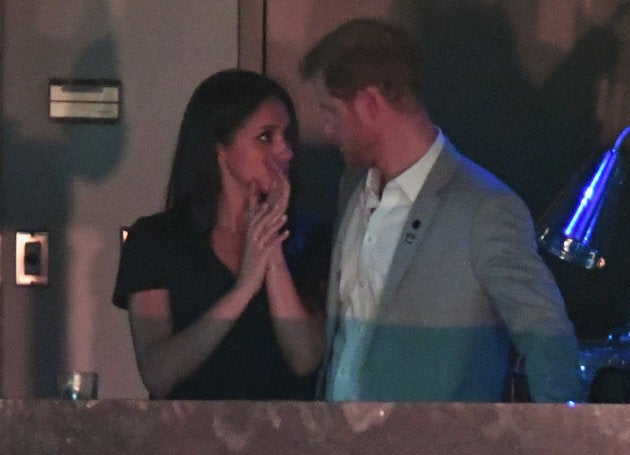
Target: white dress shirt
{"points": [[366, 256]]}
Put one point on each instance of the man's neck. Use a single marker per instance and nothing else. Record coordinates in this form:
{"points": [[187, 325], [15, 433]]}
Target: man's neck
{"points": [[404, 143]]}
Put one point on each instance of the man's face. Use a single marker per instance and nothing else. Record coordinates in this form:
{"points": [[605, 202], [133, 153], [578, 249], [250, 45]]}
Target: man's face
{"points": [[342, 123]]}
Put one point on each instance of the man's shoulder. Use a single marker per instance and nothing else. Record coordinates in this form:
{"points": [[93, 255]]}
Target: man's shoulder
{"points": [[468, 172], [351, 177]]}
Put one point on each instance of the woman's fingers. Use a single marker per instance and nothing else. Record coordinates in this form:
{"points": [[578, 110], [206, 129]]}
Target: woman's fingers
{"points": [[253, 197], [280, 188], [266, 224], [265, 214], [265, 234]]}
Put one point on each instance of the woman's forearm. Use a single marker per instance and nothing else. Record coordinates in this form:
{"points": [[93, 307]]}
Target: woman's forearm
{"points": [[166, 358], [299, 332]]}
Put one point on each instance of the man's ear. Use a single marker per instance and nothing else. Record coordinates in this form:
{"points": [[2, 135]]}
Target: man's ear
{"points": [[369, 102]]}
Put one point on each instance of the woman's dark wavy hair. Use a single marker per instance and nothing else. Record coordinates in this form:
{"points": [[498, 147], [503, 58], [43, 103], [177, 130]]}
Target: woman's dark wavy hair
{"points": [[218, 108]]}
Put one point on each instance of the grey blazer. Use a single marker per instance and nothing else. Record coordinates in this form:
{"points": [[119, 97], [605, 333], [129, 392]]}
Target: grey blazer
{"points": [[465, 282]]}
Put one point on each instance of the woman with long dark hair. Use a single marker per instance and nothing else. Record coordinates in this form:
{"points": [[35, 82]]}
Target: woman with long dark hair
{"points": [[213, 306]]}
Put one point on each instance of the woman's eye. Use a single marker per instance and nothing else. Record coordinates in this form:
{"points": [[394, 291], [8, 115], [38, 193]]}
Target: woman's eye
{"points": [[265, 136]]}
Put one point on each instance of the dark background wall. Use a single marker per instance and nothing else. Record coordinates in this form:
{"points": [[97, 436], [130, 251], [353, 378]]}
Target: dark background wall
{"points": [[535, 131]]}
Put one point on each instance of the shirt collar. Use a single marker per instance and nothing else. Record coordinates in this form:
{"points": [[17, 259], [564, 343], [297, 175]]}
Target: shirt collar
{"points": [[411, 180], [373, 184]]}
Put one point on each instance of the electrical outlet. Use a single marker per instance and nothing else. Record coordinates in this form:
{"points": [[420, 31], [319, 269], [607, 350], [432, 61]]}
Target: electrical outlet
{"points": [[31, 258]]}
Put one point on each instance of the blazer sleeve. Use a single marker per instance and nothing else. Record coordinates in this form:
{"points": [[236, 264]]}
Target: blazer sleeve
{"points": [[524, 293]]}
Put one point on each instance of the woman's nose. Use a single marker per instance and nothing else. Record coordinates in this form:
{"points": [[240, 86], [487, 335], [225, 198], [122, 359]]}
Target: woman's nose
{"points": [[284, 150]]}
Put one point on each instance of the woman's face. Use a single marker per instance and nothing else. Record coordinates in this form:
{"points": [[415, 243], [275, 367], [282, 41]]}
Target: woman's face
{"points": [[258, 146]]}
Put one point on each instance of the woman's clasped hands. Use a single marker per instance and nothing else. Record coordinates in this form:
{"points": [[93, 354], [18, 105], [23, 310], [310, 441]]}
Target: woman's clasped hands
{"points": [[265, 234]]}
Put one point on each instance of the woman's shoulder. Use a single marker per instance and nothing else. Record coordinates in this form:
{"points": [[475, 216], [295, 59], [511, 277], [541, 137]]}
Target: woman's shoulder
{"points": [[156, 227], [156, 221]]}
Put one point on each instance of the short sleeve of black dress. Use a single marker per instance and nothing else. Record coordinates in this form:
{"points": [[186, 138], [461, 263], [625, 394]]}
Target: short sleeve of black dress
{"points": [[143, 260]]}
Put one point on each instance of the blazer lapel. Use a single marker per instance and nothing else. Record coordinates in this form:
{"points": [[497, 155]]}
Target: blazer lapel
{"points": [[419, 219]]}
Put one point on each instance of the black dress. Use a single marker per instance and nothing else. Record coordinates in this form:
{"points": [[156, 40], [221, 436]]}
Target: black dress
{"points": [[248, 364]]}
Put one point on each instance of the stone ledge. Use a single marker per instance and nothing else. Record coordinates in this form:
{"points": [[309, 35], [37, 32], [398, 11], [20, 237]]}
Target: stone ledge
{"points": [[198, 427]]}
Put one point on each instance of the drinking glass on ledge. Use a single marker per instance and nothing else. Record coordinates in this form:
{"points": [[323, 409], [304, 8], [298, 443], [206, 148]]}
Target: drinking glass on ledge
{"points": [[79, 385]]}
